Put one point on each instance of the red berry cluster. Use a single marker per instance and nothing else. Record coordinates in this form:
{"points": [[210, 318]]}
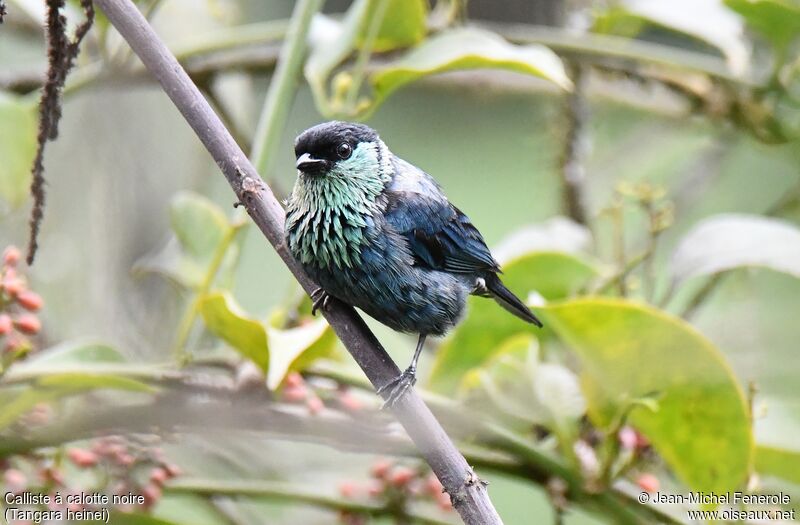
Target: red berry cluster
{"points": [[116, 465], [394, 485], [298, 390], [132, 467], [18, 305]]}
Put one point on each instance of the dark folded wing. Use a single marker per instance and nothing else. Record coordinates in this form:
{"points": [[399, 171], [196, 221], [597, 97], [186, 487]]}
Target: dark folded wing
{"points": [[440, 236]]}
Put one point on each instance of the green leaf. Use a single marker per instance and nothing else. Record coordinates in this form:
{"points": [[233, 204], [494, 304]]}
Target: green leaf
{"points": [[186, 509], [630, 351], [551, 275], [519, 386], [199, 225], [74, 353], [461, 49], [274, 350], [18, 124], [78, 381], [17, 402], [296, 348], [776, 20], [688, 19], [726, 242], [403, 25], [781, 463], [226, 319], [65, 370]]}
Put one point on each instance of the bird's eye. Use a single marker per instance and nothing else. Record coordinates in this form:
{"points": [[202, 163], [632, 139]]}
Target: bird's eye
{"points": [[344, 150]]}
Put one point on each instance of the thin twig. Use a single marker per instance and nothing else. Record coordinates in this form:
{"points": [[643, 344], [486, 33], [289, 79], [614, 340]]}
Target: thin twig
{"points": [[283, 87], [471, 501], [572, 170], [61, 54]]}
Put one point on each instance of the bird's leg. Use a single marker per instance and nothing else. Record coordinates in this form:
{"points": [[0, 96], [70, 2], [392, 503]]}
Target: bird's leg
{"points": [[319, 300], [400, 384]]}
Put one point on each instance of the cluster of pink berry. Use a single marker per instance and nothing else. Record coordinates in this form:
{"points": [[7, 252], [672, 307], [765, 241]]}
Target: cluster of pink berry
{"points": [[121, 467], [395, 485], [18, 305], [634, 442], [297, 390]]}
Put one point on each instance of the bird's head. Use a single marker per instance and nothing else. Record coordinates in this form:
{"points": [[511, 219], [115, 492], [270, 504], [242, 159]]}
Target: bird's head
{"points": [[342, 150]]}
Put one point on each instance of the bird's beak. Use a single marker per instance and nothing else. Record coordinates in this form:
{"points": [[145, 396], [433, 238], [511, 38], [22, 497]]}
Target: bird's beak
{"points": [[308, 164]]}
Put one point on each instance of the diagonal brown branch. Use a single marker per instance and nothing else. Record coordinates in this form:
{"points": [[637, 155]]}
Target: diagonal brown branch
{"points": [[470, 499]]}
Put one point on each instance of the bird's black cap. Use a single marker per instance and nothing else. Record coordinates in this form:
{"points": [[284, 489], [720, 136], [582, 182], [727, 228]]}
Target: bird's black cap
{"points": [[321, 141]]}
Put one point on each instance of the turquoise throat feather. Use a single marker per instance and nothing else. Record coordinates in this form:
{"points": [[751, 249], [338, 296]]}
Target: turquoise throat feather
{"points": [[326, 216]]}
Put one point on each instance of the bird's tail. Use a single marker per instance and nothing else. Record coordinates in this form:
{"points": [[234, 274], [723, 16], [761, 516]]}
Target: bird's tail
{"points": [[509, 301]]}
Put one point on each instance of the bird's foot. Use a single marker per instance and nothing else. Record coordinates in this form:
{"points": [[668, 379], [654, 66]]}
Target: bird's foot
{"points": [[319, 300], [397, 387]]}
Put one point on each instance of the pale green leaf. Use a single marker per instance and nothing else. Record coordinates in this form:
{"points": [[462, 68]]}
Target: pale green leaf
{"points": [[707, 22], [776, 20], [295, 348], [199, 224], [551, 275], [462, 49], [726, 242], [226, 319], [74, 353], [275, 351], [18, 124], [403, 25], [630, 351], [517, 385], [778, 462]]}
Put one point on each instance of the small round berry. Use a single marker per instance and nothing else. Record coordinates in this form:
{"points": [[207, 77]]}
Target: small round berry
{"points": [[52, 475], [401, 476], [82, 457], [28, 324], [30, 300], [315, 405], [627, 437], [11, 256], [295, 394], [433, 485], [151, 493], [12, 285], [648, 482], [172, 470], [159, 476], [15, 480], [348, 489], [293, 380], [124, 459], [380, 468], [376, 489], [5, 324], [350, 402]]}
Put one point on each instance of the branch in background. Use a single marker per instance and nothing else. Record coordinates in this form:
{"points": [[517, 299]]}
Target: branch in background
{"points": [[572, 171], [199, 403], [61, 53], [470, 500], [291, 492]]}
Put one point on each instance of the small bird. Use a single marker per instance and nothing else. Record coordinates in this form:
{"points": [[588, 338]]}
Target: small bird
{"points": [[378, 233]]}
